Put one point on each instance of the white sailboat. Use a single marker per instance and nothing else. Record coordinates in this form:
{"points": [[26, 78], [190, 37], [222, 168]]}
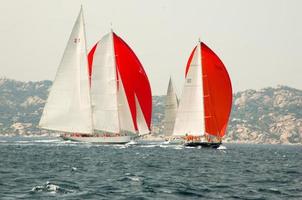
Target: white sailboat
{"points": [[88, 100], [171, 105]]}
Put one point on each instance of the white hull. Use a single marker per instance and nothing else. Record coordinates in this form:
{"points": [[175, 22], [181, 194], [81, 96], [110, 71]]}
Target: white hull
{"points": [[99, 139]]}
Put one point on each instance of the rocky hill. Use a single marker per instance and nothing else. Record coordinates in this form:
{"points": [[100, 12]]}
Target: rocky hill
{"points": [[270, 115]]}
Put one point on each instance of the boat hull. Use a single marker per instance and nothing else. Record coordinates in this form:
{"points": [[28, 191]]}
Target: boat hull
{"points": [[213, 145], [98, 139]]}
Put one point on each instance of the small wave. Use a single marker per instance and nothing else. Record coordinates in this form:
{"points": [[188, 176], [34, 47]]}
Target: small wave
{"points": [[178, 147], [149, 146], [23, 141], [166, 142], [51, 188], [134, 178], [221, 147], [132, 142], [123, 146], [48, 187], [46, 141]]}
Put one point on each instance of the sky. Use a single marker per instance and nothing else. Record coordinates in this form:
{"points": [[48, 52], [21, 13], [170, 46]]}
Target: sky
{"points": [[259, 41]]}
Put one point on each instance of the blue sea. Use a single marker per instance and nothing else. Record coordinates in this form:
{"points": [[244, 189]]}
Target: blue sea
{"points": [[48, 168]]}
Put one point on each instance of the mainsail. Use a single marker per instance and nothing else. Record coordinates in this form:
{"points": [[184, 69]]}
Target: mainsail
{"points": [[190, 114], [68, 107], [206, 99], [118, 81], [171, 105], [104, 87]]}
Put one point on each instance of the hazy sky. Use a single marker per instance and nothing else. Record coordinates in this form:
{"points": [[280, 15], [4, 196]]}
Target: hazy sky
{"points": [[259, 41]]}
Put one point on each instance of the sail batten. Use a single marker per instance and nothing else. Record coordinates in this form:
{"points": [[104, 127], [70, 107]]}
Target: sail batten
{"points": [[68, 107]]}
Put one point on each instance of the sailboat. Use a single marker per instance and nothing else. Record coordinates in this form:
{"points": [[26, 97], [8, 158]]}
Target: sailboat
{"points": [[92, 98], [206, 100], [171, 105]]}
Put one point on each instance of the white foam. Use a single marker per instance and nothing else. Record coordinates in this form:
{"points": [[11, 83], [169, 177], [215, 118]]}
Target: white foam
{"points": [[134, 178], [132, 142], [48, 187], [221, 147], [178, 147]]}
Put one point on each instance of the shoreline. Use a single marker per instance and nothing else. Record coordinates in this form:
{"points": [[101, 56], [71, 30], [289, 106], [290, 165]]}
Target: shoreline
{"points": [[147, 139]]}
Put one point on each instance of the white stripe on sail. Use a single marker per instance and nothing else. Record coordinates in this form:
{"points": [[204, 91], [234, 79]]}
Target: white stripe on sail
{"points": [[68, 107], [190, 114]]}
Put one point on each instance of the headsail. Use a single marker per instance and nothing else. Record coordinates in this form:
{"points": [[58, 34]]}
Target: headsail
{"points": [[142, 126], [190, 114], [68, 107], [171, 105]]}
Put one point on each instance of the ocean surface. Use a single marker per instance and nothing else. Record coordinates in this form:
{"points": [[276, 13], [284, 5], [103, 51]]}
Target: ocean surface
{"points": [[48, 168]]}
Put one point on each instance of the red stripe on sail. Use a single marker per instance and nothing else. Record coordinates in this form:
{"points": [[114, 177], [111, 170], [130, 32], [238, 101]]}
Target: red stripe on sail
{"points": [[189, 61], [134, 79], [217, 92], [90, 61]]}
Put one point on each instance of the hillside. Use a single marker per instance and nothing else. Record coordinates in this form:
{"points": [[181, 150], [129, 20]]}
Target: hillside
{"points": [[270, 115]]}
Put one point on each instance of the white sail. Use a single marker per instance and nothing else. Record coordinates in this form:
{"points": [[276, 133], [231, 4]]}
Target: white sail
{"points": [[68, 107], [140, 119], [190, 114], [171, 105], [104, 87], [125, 117]]}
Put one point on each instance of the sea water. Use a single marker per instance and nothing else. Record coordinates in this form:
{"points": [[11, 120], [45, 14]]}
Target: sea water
{"points": [[48, 168]]}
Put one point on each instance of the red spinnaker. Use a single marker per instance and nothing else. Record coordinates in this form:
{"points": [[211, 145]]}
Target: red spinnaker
{"points": [[134, 79], [217, 92], [90, 61]]}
